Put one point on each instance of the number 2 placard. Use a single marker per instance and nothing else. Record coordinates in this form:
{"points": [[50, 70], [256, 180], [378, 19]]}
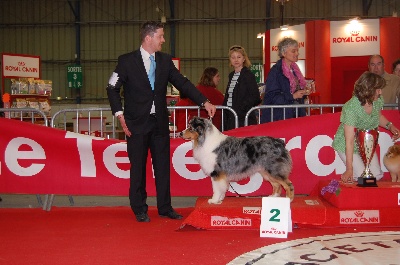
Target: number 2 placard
{"points": [[276, 220]]}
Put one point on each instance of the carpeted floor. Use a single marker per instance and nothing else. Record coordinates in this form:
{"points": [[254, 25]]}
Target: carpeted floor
{"points": [[111, 235]]}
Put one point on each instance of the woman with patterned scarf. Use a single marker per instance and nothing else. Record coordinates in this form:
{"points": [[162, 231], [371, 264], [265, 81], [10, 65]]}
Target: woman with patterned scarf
{"points": [[285, 84]]}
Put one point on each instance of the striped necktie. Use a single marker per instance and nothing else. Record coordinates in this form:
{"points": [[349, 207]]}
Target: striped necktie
{"points": [[152, 71]]}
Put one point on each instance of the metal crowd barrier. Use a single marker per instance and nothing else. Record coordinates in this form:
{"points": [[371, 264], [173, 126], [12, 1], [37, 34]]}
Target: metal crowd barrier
{"points": [[323, 108], [77, 113], [187, 116], [26, 114], [62, 117], [311, 109]]}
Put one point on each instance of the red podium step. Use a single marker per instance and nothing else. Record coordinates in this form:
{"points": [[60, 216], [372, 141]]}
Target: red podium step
{"points": [[350, 196], [352, 207]]}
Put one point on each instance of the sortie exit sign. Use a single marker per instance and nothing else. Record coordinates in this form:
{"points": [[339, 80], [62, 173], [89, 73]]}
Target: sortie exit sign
{"points": [[74, 76]]}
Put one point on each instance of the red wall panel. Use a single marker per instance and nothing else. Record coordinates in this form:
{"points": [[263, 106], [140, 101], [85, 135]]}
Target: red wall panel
{"points": [[267, 53], [390, 40], [345, 71], [318, 60]]}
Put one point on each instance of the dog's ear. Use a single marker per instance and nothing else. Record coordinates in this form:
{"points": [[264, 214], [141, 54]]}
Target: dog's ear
{"points": [[199, 126], [193, 121]]}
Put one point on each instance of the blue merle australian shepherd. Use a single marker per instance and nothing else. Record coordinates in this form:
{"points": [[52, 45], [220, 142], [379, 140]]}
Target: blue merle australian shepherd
{"points": [[227, 158]]}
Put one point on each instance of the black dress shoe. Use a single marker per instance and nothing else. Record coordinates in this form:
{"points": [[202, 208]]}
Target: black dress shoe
{"points": [[142, 217], [172, 215]]}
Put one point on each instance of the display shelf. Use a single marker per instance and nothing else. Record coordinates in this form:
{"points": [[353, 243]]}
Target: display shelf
{"points": [[29, 96], [43, 104]]}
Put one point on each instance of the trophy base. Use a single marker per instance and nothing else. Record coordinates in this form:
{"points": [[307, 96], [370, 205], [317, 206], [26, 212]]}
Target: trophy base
{"points": [[366, 182]]}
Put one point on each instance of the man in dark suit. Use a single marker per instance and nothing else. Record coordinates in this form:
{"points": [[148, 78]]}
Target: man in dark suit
{"points": [[144, 118]]}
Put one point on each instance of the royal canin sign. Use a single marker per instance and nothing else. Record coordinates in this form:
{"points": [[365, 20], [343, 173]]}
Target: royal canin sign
{"points": [[17, 65], [357, 38]]}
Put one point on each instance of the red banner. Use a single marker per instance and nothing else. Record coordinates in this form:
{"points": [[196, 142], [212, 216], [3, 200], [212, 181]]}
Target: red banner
{"points": [[36, 159]]}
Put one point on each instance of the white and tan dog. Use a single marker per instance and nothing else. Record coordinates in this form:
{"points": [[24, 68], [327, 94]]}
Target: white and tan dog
{"points": [[391, 160], [227, 158]]}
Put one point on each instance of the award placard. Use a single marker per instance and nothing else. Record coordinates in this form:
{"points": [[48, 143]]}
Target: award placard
{"points": [[276, 218]]}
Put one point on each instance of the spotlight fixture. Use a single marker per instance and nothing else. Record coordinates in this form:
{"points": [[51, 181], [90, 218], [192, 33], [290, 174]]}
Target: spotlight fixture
{"points": [[354, 20], [161, 12], [260, 35], [284, 27], [354, 26]]}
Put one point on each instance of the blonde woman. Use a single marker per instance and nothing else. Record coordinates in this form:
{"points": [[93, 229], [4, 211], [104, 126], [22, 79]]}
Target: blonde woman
{"points": [[242, 91]]}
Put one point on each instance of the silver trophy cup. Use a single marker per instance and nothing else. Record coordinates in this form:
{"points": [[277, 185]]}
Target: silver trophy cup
{"points": [[367, 141]]}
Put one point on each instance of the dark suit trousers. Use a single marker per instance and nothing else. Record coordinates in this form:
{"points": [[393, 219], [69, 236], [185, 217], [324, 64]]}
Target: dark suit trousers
{"points": [[138, 146]]}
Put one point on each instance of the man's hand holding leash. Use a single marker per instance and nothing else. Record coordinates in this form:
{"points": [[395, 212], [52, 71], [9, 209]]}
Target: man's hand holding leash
{"points": [[211, 109]]}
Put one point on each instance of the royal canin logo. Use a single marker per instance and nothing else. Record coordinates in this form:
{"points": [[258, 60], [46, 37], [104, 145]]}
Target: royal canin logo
{"points": [[354, 36], [359, 213], [355, 39], [229, 222], [360, 217], [252, 210], [355, 32]]}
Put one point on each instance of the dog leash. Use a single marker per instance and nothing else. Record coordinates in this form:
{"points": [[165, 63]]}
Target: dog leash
{"points": [[235, 190]]}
